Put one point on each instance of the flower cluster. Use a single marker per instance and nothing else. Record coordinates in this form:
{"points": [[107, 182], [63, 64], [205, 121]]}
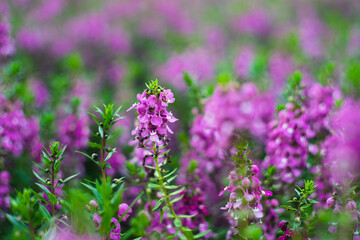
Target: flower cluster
{"points": [[227, 113], [153, 117], [193, 200], [4, 190], [341, 149], [350, 207], [193, 203], [245, 193], [286, 234], [17, 131], [198, 63], [290, 138], [74, 131]]}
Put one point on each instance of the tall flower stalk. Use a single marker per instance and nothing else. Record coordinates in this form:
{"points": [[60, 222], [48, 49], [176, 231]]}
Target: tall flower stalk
{"points": [[151, 134], [244, 207]]}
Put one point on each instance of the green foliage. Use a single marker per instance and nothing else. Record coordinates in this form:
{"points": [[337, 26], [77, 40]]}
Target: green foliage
{"points": [[27, 215], [108, 119], [108, 194], [301, 204]]}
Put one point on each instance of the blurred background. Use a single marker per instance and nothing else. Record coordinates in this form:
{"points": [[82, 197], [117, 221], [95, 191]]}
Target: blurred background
{"points": [[59, 58]]}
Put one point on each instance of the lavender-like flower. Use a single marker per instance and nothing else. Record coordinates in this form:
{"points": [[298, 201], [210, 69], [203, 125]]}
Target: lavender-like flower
{"points": [[152, 126], [151, 135], [17, 131], [245, 194]]}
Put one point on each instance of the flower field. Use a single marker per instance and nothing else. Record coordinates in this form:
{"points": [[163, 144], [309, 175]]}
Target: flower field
{"points": [[163, 119]]}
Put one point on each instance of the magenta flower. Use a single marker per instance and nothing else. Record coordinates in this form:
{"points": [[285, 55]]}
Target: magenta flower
{"points": [[115, 234], [153, 119], [122, 209]]}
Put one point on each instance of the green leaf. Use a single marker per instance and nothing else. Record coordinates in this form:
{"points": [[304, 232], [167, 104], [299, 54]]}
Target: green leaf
{"points": [[110, 154], [40, 197], [94, 190], [171, 179], [52, 198], [177, 222], [199, 235], [101, 131], [97, 163], [177, 191], [158, 204], [152, 185], [40, 178], [57, 165], [150, 167], [62, 150], [118, 193], [43, 188], [71, 177], [171, 186], [94, 145], [161, 214], [288, 207], [187, 216], [41, 168], [177, 199], [95, 118], [173, 235], [44, 212], [14, 221], [188, 233]]}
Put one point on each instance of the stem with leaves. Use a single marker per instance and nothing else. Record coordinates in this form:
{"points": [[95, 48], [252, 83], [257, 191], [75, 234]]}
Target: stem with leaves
{"points": [[103, 145], [177, 221], [302, 204], [107, 120], [51, 161]]}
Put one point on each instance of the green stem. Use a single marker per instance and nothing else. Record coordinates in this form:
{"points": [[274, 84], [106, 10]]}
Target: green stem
{"points": [[103, 143], [53, 186], [32, 230], [298, 209], [161, 181]]}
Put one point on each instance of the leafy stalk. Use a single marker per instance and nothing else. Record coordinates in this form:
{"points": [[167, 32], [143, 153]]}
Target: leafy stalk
{"points": [[108, 118], [177, 221]]}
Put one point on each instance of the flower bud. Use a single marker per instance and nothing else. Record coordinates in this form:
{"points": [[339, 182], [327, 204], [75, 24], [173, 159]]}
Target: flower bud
{"points": [[245, 182], [283, 225], [297, 219], [330, 202], [94, 203], [255, 183], [254, 169], [351, 206], [94, 156]]}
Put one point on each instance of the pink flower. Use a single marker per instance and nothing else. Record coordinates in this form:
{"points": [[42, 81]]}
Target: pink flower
{"points": [[122, 209]]}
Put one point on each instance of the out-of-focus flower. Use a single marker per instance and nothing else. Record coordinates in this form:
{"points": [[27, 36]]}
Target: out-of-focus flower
{"points": [[122, 209], [198, 63], [17, 132], [6, 42], [4, 190], [256, 22]]}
